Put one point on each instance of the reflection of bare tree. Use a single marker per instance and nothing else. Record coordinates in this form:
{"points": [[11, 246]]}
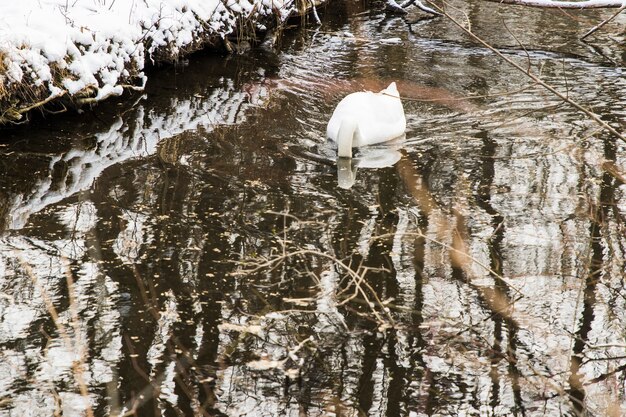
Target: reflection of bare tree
{"points": [[105, 308]]}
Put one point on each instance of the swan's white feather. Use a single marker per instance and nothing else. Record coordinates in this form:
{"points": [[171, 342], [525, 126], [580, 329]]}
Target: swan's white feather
{"points": [[379, 117]]}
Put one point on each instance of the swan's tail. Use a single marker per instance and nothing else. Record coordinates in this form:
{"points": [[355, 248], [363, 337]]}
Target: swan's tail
{"points": [[345, 137], [391, 90]]}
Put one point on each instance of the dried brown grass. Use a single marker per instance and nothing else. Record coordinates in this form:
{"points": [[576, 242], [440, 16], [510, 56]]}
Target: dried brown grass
{"points": [[19, 99], [3, 69]]}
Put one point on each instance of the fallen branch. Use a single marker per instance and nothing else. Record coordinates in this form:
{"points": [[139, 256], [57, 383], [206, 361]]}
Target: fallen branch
{"points": [[14, 116], [604, 22], [420, 6], [40, 103], [564, 97], [555, 4], [393, 7]]}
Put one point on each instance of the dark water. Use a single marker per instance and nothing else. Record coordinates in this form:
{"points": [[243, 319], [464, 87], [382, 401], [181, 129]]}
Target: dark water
{"points": [[189, 251]]}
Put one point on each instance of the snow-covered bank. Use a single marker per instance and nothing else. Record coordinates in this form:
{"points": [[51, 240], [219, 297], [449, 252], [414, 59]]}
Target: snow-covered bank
{"points": [[88, 50]]}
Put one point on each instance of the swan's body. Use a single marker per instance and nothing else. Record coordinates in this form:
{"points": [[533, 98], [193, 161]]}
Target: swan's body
{"points": [[366, 118]]}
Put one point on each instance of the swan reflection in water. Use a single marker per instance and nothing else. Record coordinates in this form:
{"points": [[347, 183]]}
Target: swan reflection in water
{"points": [[368, 157]]}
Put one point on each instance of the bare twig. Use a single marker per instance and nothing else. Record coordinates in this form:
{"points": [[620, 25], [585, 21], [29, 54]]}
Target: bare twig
{"points": [[363, 288], [556, 4], [519, 43], [314, 10], [604, 22], [596, 118]]}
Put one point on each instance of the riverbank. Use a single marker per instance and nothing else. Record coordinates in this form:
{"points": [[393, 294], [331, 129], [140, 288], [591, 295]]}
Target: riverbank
{"points": [[56, 54]]}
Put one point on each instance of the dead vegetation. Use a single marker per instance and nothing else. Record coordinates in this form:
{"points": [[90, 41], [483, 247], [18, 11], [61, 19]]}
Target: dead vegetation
{"points": [[3, 69]]}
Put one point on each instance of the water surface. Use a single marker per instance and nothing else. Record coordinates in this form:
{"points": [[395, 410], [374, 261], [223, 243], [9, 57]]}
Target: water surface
{"points": [[190, 251]]}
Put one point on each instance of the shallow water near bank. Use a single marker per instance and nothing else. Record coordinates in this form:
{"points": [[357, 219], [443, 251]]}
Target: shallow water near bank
{"points": [[194, 247]]}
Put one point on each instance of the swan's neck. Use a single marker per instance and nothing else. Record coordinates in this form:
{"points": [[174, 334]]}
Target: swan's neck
{"points": [[345, 138]]}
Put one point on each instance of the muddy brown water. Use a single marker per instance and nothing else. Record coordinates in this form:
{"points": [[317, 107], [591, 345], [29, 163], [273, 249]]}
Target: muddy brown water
{"points": [[190, 251]]}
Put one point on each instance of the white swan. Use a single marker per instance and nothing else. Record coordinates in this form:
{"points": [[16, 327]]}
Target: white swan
{"points": [[366, 118]]}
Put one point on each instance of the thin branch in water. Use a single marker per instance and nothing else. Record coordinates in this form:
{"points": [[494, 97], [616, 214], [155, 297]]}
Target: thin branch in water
{"points": [[315, 15], [565, 79], [557, 4], [601, 24], [519, 43], [468, 97], [595, 117]]}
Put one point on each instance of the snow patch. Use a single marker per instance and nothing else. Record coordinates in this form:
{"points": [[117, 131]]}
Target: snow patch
{"points": [[100, 46]]}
